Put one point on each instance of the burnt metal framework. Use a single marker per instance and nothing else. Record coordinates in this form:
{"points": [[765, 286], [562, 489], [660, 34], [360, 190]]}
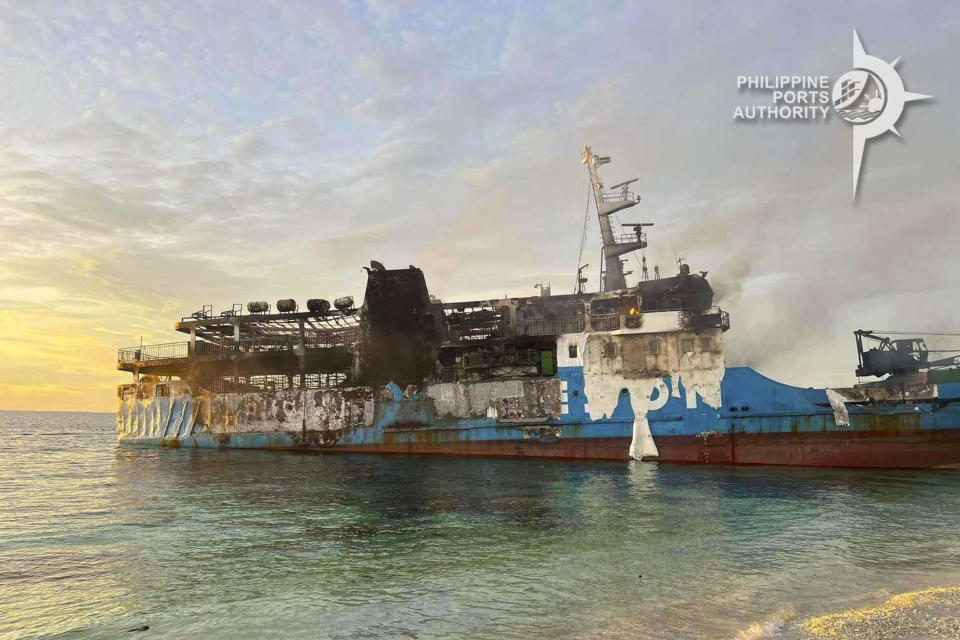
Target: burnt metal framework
{"points": [[476, 322], [312, 381], [408, 337], [897, 355], [889, 356], [238, 351], [274, 330], [404, 335], [465, 341]]}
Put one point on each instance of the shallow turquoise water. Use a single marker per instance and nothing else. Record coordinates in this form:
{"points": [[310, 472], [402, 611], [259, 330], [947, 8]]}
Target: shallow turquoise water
{"points": [[96, 539]]}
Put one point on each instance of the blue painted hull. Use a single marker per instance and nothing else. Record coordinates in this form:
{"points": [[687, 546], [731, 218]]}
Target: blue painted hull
{"points": [[760, 421]]}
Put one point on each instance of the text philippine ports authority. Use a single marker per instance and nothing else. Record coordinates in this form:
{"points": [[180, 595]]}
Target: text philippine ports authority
{"points": [[791, 98]]}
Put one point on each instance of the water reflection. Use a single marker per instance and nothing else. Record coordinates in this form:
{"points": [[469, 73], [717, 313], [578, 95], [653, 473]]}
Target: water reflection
{"points": [[96, 538]]}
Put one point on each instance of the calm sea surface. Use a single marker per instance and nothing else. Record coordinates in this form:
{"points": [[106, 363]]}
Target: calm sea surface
{"points": [[97, 539]]}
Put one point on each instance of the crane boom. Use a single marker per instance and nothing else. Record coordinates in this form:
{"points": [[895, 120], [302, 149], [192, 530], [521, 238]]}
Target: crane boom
{"points": [[896, 355]]}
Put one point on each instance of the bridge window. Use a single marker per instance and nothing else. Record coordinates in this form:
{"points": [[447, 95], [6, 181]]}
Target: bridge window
{"points": [[162, 391], [653, 346], [572, 350], [686, 345]]}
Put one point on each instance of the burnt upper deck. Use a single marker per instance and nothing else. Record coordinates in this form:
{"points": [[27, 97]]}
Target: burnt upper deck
{"points": [[405, 335], [244, 344]]}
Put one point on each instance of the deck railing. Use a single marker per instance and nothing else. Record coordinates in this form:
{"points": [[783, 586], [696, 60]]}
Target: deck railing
{"points": [[169, 351], [549, 326], [620, 195], [312, 381], [175, 350], [477, 331], [165, 351], [629, 238], [515, 358], [532, 327], [212, 349], [605, 322]]}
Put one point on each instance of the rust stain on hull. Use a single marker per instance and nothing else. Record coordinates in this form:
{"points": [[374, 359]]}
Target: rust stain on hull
{"points": [[887, 449], [929, 449]]}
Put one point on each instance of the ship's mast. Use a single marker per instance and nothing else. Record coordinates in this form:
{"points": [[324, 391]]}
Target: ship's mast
{"points": [[609, 202]]}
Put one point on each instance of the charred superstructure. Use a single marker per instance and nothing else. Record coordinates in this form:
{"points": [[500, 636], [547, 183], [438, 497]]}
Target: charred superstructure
{"points": [[261, 349], [624, 372]]}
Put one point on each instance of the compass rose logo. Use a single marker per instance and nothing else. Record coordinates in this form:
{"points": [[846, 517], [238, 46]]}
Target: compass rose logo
{"points": [[871, 98], [859, 96]]}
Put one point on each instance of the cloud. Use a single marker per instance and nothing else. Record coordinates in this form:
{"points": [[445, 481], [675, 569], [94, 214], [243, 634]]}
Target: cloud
{"points": [[154, 161]]}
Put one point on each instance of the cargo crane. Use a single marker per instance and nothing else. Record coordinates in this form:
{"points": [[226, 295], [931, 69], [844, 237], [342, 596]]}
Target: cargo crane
{"points": [[900, 356]]}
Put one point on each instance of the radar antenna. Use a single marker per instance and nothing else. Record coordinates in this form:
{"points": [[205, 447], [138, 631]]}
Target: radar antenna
{"points": [[609, 202]]}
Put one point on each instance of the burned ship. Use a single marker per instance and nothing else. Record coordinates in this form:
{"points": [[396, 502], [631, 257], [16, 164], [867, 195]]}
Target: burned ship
{"points": [[626, 372]]}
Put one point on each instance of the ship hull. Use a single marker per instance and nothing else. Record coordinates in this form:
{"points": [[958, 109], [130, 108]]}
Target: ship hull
{"points": [[569, 449], [935, 449], [929, 449], [756, 421], [565, 449]]}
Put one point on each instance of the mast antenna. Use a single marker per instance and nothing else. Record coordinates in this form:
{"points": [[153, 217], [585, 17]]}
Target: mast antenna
{"points": [[608, 202]]}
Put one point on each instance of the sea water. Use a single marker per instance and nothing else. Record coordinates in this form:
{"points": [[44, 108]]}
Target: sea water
{"points": [[99, 540]]}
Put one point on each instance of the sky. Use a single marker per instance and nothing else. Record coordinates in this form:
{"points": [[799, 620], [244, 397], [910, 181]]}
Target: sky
{"points": [[156, 157]]}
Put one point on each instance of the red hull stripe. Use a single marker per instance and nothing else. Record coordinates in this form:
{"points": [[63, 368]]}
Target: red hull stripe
{"points": [[928, 449], [565, 448]]}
